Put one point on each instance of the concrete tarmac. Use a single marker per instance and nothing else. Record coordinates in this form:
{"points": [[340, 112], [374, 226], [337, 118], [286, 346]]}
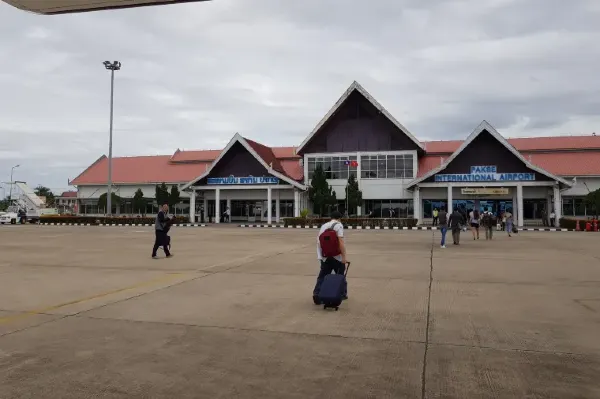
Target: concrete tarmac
{"points": [[86, 313]]}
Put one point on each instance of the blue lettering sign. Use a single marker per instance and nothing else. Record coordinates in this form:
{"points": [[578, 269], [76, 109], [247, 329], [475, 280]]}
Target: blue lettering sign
{"points": [[243, 180], [484, 173]]}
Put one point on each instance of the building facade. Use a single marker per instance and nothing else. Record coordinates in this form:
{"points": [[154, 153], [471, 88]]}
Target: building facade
{"points": [[399, 176]]}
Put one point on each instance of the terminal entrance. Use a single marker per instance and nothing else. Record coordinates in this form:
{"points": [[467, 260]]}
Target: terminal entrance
{"points": [[497, 207]]}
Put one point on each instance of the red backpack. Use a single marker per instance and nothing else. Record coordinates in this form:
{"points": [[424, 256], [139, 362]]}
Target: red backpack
{"points": [[330, 243]]}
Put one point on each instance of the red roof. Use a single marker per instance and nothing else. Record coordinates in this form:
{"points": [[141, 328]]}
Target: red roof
{"points": [[525, 144], [195, 156], [266, 153], [68, 194], [145, 169], [562, 156]]}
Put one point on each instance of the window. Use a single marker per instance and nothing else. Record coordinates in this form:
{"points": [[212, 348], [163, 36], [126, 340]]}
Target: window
{"points": [[579, 205], [389, 208], [387, 166], [334, 167], [430, 204]]}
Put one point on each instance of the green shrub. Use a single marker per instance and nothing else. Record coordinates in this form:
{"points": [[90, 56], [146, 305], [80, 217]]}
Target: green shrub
{"points": [[354, 222], [98, 220]]}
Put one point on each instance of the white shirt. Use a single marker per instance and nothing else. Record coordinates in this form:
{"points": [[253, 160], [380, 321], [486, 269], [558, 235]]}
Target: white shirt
{"points": [[338, 228]]}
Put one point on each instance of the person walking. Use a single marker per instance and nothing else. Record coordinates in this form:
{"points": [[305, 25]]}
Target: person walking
{"points": [[474, 221], [454, 222], [509, 222], [488, 221], [331, 259], [160, 239], [443, 221], [435, 217]]}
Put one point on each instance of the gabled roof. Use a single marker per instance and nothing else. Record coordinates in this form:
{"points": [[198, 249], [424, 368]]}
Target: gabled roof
{"points": [[355, 86], [485, 126], [68, 194], [260, 152]]}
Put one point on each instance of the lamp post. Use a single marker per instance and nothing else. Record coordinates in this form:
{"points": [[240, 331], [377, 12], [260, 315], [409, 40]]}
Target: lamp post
{"points": [[112, 67], [11, 183]]}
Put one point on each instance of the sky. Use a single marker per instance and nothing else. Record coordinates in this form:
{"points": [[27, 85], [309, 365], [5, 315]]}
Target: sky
{"points": [[195, 74]]}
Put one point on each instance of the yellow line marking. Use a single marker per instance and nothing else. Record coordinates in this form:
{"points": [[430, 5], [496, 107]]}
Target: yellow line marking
{"points": [[29, 313]]}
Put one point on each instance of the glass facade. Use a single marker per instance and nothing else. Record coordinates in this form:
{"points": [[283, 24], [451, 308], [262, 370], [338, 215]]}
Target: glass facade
{"points": [[389, 208], [334, 167], [387, 166], [575, 206], [496, 206]]}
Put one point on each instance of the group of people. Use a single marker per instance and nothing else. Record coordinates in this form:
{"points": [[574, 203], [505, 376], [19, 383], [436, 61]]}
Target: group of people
{"points": [[472, 219]]}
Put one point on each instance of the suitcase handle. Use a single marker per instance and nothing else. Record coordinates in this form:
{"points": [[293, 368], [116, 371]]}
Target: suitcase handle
{"points": [[347, 267]]}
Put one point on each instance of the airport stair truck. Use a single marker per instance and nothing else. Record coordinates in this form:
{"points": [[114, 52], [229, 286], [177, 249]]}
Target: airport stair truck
{"points": [[27, 199]]}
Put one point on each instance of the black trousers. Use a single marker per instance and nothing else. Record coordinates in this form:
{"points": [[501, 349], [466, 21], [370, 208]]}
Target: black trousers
{"points": [[160, 241]]}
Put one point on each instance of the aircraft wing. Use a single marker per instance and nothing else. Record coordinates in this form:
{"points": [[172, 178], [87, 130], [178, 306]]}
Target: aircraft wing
{"points": [[50, 7]]}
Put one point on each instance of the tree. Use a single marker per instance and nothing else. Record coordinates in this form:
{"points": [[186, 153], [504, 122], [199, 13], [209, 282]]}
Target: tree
{"points": [[114, 199], [42, 191], [162, 194], [592, 199], [320, 192], [139, 202], [353, 195], [174, 197]]}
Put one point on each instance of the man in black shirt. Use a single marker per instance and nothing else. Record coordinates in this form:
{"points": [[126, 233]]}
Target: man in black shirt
{"points": [[455, 221], [161, 227]]}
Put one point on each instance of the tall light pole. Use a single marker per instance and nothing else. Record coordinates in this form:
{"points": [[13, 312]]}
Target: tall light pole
{"points": [[112, 67], [11, 183]]}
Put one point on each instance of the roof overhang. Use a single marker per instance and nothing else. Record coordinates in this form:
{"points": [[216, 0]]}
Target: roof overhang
{"points": [[51, 7], [485, 126], [239, 139], [355, 86]]}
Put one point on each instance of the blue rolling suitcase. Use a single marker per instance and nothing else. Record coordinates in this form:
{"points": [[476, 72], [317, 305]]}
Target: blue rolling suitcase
{"points": [[332, 289]]}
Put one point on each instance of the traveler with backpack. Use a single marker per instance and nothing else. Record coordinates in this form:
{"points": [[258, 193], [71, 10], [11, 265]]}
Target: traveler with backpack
{"points": [[331, 252], [455, 221], [488, 220]]}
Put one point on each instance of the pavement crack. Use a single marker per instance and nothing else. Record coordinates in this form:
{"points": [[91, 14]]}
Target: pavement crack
{"points": [[428, 318]]}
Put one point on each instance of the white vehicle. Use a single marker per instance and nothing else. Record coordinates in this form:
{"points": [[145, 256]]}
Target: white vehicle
{"points": [[8, 217], [27, 200]]}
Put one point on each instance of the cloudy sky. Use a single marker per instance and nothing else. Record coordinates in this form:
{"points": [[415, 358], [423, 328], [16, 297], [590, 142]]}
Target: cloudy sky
{"points": [[195, 74]]}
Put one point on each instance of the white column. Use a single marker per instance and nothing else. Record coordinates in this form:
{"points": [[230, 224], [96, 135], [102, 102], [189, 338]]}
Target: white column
{"points": [[520, 213], [557, 205], [229, 206], [205, 205], [359, 210], [449, 199], [193, 206], [417, 204], [217, 205], [277, 212], [548, 208], [269, 206], [296, 203]]}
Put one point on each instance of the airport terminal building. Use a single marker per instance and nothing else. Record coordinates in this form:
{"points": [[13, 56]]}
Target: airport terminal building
{"points": [[399, 176]]}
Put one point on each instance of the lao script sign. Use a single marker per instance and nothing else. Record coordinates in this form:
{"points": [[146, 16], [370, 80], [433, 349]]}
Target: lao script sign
{"points": [[243, 180], [485, 173]]}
